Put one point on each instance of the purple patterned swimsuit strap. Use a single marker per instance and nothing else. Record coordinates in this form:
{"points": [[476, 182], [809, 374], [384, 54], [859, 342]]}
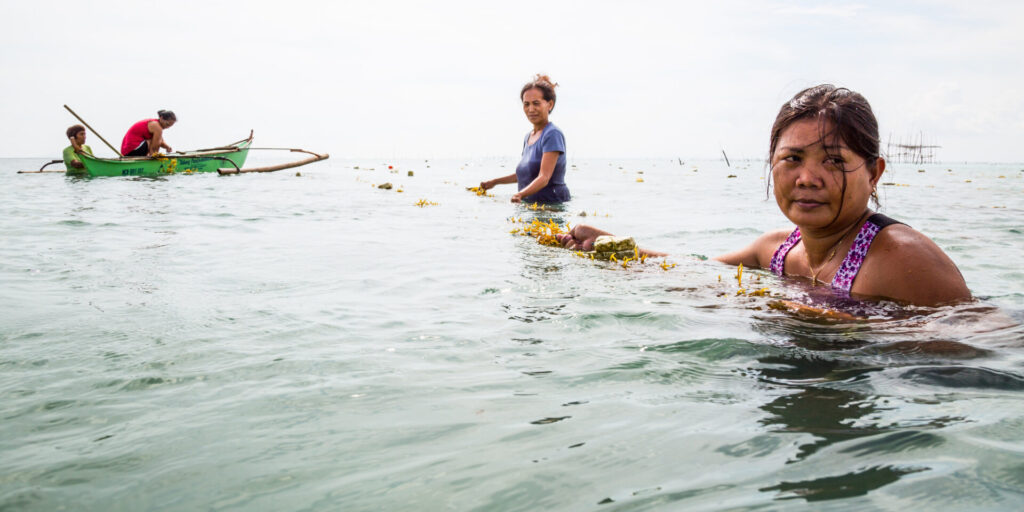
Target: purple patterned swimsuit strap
{"points": [[779, 258], [843, 279]]}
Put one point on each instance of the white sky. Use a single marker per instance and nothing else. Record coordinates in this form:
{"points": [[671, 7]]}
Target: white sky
{"points": [[441, 79]]}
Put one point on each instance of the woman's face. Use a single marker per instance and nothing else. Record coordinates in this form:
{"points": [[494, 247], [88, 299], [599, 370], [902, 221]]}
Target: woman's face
{"points": [[80, 137], [809, 179], [536, 107], [166, 123]]}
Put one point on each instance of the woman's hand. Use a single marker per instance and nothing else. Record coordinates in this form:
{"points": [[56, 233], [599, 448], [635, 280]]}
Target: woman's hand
{"points": [[517, 198], [489, 184], [580, 238]]}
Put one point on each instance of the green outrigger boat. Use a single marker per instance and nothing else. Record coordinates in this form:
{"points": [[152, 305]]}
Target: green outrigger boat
{"points": [[231, 156]]}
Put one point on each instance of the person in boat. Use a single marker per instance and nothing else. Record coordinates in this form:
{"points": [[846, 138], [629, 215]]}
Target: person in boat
{"points": [[825, 165], [146, 137], [76, 135], [541, 171]]}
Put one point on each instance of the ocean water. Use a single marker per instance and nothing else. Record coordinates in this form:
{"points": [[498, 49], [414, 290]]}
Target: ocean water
{"points": [[313, 342]]}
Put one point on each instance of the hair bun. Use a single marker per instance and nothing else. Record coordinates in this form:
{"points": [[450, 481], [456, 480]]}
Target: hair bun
{"points": [[545, 79]]}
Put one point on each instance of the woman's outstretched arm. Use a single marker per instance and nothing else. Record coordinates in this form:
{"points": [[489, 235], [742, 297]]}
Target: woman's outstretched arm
{"points": [[489, 184], [582, 237]]}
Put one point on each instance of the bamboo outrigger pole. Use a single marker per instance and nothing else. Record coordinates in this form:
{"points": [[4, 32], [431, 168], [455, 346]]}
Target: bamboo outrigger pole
{"points": [[298, 163], [119, 155]]}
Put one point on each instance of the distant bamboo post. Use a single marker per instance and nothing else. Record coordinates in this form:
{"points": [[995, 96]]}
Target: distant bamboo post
{"points": [[726, 159]]}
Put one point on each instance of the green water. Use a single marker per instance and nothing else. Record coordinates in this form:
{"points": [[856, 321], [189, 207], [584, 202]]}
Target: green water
{"points": [[283, 342]]}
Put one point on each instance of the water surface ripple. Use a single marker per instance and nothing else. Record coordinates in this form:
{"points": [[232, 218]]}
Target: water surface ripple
{"points": [[313, 342]]}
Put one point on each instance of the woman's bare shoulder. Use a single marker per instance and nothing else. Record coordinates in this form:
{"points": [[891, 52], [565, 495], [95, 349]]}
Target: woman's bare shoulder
{"points": [[906, 265], [774, 238], [904, 243]]}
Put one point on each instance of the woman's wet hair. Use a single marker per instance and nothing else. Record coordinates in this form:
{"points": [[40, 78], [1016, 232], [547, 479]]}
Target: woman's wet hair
{"points": [[545, 85], [74, 129], [167, 115], [846, 111], [843, 116]]}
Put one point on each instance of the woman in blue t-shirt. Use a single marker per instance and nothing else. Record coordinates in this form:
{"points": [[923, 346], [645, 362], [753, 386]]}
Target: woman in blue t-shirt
{"points": [[541, 172]]}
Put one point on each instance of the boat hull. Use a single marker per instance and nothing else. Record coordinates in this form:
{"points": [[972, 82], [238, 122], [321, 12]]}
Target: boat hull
{"points": [[184, 163]]}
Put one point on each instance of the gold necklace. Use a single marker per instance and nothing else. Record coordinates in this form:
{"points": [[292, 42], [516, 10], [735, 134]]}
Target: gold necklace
{"points": [[835, 247]]}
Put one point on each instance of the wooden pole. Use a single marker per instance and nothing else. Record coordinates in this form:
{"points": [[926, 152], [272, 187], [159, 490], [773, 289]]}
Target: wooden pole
{"points": [[51, 162], [94, 131], [315, 158]]}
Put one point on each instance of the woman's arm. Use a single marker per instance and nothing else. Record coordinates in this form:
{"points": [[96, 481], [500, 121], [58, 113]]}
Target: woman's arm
{"points": [[547, 168], [582, 237], [511, 178], [758, 254], [157, 141]]}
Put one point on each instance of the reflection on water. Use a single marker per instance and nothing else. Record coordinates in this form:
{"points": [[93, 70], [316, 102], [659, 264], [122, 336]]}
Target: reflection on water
{"points": [[855, 483], [826, 377]]}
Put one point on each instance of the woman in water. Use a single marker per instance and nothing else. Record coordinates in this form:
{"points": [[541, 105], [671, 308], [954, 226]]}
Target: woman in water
{"points": [[146, 137], [825, 165], [541, 172]]}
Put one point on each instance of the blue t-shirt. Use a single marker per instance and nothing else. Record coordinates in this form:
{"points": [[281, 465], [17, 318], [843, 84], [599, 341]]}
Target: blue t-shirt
{"points": [[551, 139]]}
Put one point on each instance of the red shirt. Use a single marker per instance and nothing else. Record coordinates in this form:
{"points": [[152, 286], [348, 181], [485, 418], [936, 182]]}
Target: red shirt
{"points": [[136, 134]]}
